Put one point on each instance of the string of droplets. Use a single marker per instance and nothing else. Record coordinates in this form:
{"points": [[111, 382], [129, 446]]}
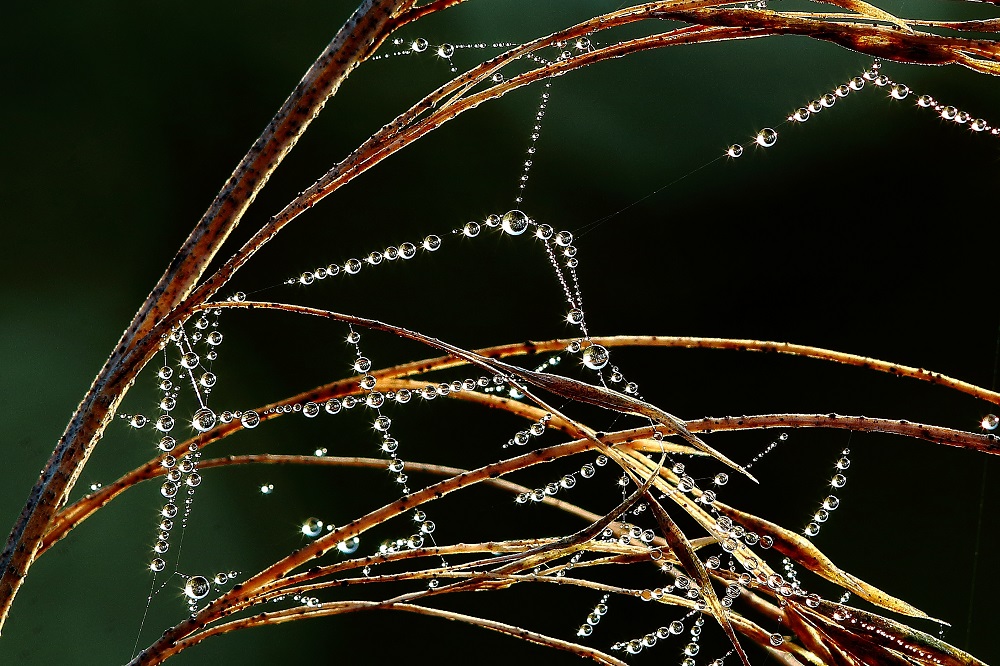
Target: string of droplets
{"points": [[183, 472], [767, 137]]}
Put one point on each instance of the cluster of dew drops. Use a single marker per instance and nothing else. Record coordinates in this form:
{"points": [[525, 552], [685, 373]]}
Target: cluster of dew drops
{"points": [[767, 137], [199, 347], [196, 347]]}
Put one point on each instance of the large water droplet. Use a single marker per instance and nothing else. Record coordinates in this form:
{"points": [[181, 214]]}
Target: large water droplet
{"points": [[197, 587], [250, 419], [514, 222], [203, 419], [312, 527], [767, 137], [595, 357]]}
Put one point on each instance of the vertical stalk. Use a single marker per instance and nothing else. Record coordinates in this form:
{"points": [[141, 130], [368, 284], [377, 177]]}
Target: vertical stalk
{"points": [[363, 32]]}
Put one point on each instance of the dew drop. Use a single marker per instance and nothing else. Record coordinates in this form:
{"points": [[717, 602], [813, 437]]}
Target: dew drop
{"points": [[310, 410], [446, 50], [544, 232], [312, 527], [734, 150], [197, 587], [250, 419], [419, 45], [266, 488], [190, 360], [432, 243], [899, 91], [407, 250], [165, 423], [349, 546], [990, 422], [471, 229], [157, 564], [595, 357], [514, 222], [204, 419], [138, 421], [208, 379], [766, 137]]}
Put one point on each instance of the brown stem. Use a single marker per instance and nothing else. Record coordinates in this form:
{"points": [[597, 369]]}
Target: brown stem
{"points": [[356, 40]]}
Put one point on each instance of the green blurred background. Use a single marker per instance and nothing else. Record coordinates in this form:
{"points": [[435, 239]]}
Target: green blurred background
{"points": [[870, 229]]}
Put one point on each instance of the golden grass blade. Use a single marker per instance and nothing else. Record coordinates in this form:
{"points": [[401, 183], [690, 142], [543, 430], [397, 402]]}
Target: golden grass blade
{"points": [[693, 565], [806, 553], [871, 11], [895, 643]]}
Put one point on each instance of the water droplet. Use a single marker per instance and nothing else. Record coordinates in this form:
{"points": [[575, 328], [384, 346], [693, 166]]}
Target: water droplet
{"points": [[432, 243], [544, 232], [138, 421], [776, 639], [197, 587], [419, 45], [595, 357], [362, 364], [407, 250], [587, 471], [193, 479], [427, 526], [157, 564], [514, 222], [266, 488], [691, 649], [349, 546], [843, 463], [857, 83], [990, 422], [204, 419], [221, 578], [801, 115], [446, 50], [734, 150], [766, 137], [165, 372], [949, 113], [250, 419], [382, 423], [575, 316], [208, 379], [838, 481], [312, 527], [812, 529], [899, 91], [471, 229], [310, 410], [352, 266], [190, 360], [831, 502]]}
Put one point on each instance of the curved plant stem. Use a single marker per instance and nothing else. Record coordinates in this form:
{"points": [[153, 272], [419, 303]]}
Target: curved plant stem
{"points": [[355, 41]]}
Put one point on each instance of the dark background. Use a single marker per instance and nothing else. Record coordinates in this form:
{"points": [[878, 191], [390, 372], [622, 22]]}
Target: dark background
{"points": [[870, 229]]}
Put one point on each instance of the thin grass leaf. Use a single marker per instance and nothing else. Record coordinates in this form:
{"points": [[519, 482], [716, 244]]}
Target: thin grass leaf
{"points": [[806, 553]]}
